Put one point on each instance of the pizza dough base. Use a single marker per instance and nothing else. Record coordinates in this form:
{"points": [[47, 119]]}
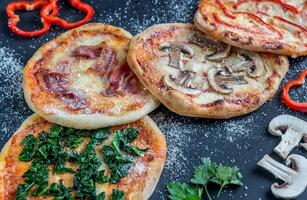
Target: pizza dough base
{"points": [[155, 167], [177, 102], [84, 121]]}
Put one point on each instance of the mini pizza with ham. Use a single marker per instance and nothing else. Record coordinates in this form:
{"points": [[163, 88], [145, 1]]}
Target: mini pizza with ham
{"points": [[275, 26], [82, 80], [197, 76], [47, 161]]}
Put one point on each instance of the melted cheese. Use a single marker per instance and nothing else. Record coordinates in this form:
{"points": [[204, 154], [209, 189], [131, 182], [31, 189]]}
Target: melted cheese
{"points": [[207, 98], [264, 21]]}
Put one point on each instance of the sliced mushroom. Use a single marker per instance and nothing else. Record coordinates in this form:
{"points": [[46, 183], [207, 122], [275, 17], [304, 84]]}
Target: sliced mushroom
{"points": [[175, 53], [183, 83], [236, 68], [221, 50], [220, 55], [223, 82], [255, 65], [294, 130], [295, 178]]}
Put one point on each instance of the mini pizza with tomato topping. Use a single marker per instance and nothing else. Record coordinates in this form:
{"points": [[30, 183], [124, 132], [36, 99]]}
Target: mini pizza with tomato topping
{"points": [[48, 161], [197, 76], [275, 26], [82, 80]]}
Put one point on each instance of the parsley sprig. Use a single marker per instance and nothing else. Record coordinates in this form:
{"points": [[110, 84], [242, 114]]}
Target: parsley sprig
{"points": [[205, 173]]}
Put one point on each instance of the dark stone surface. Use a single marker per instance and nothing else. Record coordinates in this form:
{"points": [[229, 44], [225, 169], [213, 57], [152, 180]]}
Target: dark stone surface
{"points": [[240, 141]]}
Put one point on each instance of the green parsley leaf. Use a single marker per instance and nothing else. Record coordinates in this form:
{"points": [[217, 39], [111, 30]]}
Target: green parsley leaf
{"points": [[227, 175], [203, 174], [183, 191]]}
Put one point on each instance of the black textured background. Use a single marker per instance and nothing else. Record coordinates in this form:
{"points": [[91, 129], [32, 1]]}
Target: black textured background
{"points": [[240, 141]]}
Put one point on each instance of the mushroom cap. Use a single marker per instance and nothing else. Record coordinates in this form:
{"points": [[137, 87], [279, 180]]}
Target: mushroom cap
{"points": [[283, 122], [214, 84], [219, 55], [256, 68], [220, 80], [299, 179], [169, 82]]}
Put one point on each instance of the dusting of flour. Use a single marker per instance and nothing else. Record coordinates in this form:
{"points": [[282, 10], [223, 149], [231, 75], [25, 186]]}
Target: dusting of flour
{"points": [[11, 95]]}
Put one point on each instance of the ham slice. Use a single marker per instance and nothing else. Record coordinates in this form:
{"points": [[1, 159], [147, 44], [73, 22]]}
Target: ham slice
{"points": [[121, 78], [87, 51], [57, 83]]}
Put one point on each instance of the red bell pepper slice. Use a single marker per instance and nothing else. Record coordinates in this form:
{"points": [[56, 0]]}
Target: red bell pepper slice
{"points": [[297, 106], [52, 6], [28, 6]]}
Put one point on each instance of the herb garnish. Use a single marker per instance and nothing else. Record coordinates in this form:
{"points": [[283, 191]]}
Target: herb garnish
{"points": [[122, 140], [205, 173], [117, 195], [113, 155], [58, 146]]}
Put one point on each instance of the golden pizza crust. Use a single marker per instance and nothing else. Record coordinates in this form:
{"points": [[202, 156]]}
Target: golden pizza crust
{"points": [[138, 185], [150, 65], [92, 107], [263, 26]]}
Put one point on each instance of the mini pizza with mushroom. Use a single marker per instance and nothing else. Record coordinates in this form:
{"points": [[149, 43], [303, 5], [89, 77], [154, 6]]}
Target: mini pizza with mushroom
{"points": [[48, 161], [195, 75], [82, 80], [274, 26]]}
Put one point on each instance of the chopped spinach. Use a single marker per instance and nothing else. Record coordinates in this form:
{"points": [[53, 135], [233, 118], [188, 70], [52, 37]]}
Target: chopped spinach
{"points": [[58, 146], [30, 143], [60, 192], [84, 179], [23, 191], [73, 141], [101, 196], [37, 176], [117, 195], [118, 164], [122, 140]]}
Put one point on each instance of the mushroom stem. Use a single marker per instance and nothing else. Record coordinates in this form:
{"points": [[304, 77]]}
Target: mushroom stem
{"points": [[289, 141], [291, 130], [280, 171]]}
